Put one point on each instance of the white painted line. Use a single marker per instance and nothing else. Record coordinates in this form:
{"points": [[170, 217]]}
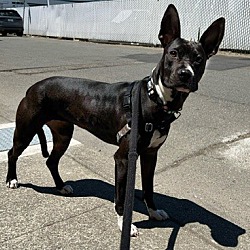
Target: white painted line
{"points": [[8, 125], [30, 150], [238, 153], [35, 149]]}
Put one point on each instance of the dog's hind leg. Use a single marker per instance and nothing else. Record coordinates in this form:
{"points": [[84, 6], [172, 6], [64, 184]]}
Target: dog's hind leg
{"points": [[28, 122], [22, 138], [43, 142], [62, 133], [11, 179]]}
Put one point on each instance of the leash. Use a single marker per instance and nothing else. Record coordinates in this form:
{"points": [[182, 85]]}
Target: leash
{"points": [[132, 158]]}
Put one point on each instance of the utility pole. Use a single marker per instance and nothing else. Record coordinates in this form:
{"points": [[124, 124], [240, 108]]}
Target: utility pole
{"points": [[24, 3]]}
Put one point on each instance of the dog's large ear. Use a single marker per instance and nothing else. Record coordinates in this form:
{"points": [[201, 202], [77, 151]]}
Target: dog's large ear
{"points": [[212, 37], [170, 26]]}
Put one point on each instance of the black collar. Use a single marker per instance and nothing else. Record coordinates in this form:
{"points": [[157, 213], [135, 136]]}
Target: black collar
{"points": [[153, 96]]}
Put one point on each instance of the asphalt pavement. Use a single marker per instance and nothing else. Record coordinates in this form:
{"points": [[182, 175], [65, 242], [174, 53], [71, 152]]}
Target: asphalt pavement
{"points": [[203, 170]]}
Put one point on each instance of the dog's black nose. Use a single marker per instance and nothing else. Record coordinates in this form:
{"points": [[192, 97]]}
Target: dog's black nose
{"points": [[184, 74]]}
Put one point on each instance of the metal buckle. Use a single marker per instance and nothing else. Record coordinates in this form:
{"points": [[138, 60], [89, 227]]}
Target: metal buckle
{"points": [[122, 132], [149, 127]]}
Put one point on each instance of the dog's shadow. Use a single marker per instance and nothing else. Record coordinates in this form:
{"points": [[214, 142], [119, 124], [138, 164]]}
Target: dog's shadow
{"points": [[181, 211]]}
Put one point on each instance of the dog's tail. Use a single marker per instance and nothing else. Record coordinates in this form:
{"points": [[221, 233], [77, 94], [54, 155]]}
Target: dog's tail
{"points": [[43, 142]]}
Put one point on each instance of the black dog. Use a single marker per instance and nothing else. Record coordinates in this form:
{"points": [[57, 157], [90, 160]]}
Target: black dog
{"points": [[104, 110]]}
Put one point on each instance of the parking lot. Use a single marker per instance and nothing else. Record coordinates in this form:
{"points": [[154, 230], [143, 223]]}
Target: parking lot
{"points": [[203, 170]]}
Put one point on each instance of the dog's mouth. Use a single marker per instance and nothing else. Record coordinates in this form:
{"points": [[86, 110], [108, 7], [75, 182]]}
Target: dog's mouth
{"points": [[183, 88]]}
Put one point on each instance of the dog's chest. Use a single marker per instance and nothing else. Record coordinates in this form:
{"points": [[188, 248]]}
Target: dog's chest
{"points": [[157, 139]]}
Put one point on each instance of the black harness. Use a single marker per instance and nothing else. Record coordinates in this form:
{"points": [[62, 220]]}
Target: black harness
{"points": [[167, 116]]}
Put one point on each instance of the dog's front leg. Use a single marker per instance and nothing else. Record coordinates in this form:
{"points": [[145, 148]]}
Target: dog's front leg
{"points": [[121, 170], [148, 162]]}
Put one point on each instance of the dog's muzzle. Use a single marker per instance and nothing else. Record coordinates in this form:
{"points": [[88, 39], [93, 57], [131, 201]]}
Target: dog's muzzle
{"points": [[185, 74], [186, 80]]}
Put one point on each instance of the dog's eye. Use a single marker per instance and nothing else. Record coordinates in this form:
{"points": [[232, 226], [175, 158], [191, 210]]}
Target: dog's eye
{"points": [[173, 53], [199, 59]]}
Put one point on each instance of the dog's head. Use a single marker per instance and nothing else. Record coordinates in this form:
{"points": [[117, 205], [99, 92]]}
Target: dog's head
{"points": [[183, 62]]}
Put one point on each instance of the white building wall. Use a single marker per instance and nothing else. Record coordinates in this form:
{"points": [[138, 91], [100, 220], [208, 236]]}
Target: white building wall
{"points": [[139, 20]]}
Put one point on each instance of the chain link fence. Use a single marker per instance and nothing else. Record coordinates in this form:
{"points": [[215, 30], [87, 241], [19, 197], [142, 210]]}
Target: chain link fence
{"points": [[138, 21]]}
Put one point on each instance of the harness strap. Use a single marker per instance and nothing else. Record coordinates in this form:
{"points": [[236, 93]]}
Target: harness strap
{"points": [[127, 102], [127, 106]]}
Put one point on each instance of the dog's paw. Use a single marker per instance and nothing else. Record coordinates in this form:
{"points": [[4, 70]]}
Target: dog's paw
{"points": [[66, 190], [157, 214], [12, 184], [134, 230]]}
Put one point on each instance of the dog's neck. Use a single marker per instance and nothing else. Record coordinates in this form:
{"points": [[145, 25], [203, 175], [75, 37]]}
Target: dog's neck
{"points": [[157, 91], [165, 94]]}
